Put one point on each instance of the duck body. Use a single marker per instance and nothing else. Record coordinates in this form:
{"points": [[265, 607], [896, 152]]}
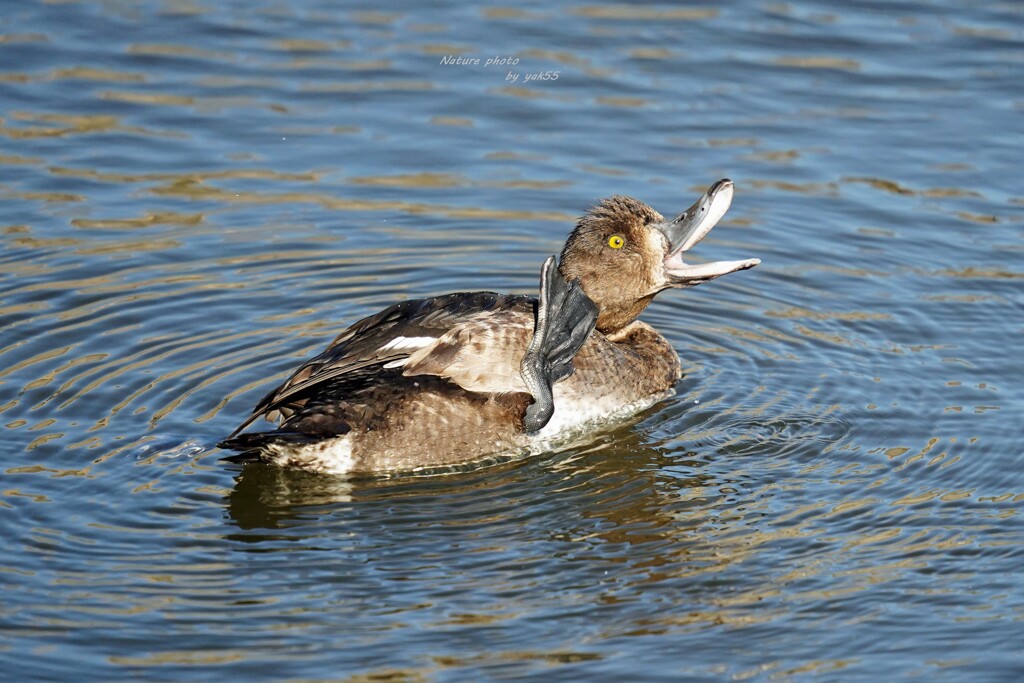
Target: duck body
{"points": [[441, 377], [449, 380]]}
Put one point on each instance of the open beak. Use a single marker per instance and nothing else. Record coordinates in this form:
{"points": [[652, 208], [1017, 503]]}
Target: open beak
{"points": [[689, 229]]}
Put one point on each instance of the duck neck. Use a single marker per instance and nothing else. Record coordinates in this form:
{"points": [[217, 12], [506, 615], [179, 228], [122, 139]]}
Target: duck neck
{"points": [[617, 315], [616, 306]]}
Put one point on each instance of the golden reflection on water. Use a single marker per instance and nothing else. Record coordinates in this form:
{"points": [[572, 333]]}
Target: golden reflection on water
{"points": [[174, 50], [604, 170], [451, 121], [822, 62], [204, 104], [516, 156], [652, 53], [78, 73], [781, 156], [632, 12], [190, 188], [45, 197], [307, 45], [532, 93], [557, 56], [804, 313], [367, 86], [453, 180], [976, 217], [71, 125], [628, 102], [304, 63], [511, 13], [15, 160], [195, 176], [147, 220], [973, 273], [896, 188]]}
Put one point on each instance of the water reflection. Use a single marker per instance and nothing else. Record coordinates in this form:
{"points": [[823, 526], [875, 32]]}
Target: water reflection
{"points": [[609, 516]]}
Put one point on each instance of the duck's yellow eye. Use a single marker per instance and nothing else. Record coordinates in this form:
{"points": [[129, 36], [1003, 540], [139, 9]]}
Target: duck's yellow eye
{"points": [[616, 241]]}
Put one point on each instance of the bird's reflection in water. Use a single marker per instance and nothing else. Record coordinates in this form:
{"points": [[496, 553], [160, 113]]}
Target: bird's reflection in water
{"points": [[619, 489], [620, 514]]}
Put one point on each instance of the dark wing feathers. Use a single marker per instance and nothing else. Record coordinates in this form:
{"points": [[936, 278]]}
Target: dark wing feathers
{"points": [[365, 344], [407, 333]]}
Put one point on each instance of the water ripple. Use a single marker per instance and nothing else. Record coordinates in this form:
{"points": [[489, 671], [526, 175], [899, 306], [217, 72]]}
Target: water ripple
{"points": [[198, 197]]}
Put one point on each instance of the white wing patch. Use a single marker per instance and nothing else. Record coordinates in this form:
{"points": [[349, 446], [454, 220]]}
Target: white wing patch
{"points": [[407, 344]]}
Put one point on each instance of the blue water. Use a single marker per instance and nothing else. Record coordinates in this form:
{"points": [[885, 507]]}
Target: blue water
{"points": [[194, 197]]}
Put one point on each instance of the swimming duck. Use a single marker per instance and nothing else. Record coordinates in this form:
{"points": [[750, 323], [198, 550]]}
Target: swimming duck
{"points": [[448, 380]]}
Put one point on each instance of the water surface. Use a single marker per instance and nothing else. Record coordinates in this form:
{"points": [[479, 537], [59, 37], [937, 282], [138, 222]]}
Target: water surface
{"points": [[197, 196]]}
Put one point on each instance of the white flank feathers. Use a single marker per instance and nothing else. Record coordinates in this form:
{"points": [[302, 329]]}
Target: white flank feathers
{"points": [[331, 456]]}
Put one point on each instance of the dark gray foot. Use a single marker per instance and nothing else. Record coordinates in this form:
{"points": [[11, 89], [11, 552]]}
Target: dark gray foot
{"points": [[565, 318]]}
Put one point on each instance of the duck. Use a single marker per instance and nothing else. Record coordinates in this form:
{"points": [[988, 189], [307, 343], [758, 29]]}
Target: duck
{"points": [[443, 382]]}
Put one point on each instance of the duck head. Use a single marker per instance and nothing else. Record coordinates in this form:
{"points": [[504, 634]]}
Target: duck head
{"points": [[624, 252]]}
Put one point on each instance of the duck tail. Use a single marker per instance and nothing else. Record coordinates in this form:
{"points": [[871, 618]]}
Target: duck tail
{"points": [[251, 446]]}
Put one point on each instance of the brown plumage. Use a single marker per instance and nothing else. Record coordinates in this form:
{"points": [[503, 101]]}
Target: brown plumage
{"points": [[588, 257], [437, 382]]}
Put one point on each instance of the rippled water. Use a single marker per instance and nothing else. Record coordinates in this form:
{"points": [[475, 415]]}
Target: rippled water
{"points": [[196, 196]]}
